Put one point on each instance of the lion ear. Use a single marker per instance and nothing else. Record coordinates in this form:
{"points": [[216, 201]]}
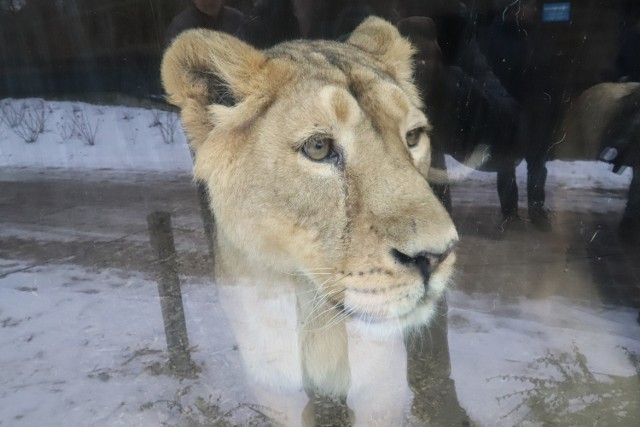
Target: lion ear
{"points": [[203, 68], [383, 41]]}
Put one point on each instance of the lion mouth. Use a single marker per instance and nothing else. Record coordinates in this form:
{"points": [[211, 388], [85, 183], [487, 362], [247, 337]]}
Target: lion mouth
{"points": [[402, 300]]}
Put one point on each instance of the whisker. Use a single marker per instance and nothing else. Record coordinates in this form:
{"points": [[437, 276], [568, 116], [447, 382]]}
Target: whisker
{"points": [[329, 308], [329, 290], [317, 289], [317, 315], [307, 274], [314, 269], [336, 319]]}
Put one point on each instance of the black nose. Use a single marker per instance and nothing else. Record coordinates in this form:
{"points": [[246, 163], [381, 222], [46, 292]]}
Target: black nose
{"points": [[425, 262]]}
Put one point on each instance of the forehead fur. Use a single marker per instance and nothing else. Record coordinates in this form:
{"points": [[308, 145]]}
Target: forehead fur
{"points": [[323, 77], [342, 64], [217, 79], [327, 83]]}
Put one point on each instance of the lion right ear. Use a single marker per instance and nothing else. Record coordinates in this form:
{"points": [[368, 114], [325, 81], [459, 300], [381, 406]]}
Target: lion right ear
{"points": [[203, 68], [382, 40]]}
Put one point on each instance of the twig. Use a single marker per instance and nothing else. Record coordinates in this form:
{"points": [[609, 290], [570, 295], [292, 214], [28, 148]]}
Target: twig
{"points": [[168, 127], [65, 128], [9, 115], [82, 124], [32, 122], [156, 118]]}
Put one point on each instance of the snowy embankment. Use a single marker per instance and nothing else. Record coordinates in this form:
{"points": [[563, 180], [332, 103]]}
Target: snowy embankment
{"points": [[80, 136], [84, 346]]}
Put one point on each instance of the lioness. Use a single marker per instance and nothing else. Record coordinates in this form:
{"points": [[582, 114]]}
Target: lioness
{"points": [[315, 154]]}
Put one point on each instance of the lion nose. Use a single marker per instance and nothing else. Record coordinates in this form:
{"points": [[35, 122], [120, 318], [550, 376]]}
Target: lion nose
{"points": [[426, 262]]}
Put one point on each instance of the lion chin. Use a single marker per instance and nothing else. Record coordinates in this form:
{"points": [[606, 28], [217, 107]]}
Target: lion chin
{"points": [[368, 323], [315, 155]]}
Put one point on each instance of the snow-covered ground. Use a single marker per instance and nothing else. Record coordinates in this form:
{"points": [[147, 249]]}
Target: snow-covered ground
{"points": [[131, 139], [80, 136], [85, 347]]}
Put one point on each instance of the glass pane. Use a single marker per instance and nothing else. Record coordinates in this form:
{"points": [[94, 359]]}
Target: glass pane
{"points": [[293, 212]]}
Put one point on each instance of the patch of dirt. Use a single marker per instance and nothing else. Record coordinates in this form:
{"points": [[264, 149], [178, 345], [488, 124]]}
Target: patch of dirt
{"points": [[120, 254]]}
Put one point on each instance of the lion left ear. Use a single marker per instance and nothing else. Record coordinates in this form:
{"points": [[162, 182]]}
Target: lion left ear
{"points": [[206, 65], [203, 68], [382, 40]]}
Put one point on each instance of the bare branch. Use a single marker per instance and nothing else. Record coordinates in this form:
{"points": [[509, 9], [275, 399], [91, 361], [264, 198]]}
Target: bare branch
{"points": [[168, 127], [87, 131]]}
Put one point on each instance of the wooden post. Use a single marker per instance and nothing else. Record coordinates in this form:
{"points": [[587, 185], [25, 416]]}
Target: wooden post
{"points": [[208, 221], [322, 411], [175, 328]]}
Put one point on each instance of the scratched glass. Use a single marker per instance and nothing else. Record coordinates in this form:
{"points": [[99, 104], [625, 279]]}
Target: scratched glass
{"points": [[297, 279]]}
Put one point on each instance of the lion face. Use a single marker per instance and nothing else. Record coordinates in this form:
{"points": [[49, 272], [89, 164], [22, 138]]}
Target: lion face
{"points": [[318, 166]]}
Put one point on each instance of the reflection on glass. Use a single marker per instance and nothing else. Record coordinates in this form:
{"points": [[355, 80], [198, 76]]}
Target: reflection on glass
{"points": [[541, 328]]}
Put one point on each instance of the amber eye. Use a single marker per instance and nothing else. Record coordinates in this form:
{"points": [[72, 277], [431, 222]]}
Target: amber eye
{"points": [[413, 136], [318, 148]]}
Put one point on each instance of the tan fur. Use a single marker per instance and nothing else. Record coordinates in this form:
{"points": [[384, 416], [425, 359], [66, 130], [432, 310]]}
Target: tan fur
{"points": [[587, 119], [324, 229]]}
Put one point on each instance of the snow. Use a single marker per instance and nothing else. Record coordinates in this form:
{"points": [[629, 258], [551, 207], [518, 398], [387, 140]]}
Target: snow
{"points": [[80, 346], [130, 139], [126, 139], [564, 174], [492, 345]]}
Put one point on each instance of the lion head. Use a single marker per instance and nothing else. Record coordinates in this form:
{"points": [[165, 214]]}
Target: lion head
{"points": [[315, 154]]}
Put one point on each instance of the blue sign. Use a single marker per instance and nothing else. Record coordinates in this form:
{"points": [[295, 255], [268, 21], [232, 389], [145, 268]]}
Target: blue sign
{"points": [[556, 12]]}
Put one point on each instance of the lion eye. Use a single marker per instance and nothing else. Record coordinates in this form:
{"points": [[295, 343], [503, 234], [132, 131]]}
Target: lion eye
{"points": [[413, 136], [318, 148]]}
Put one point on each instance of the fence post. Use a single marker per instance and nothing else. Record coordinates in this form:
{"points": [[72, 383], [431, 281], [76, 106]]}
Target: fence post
{"points": [[175, 328]]}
